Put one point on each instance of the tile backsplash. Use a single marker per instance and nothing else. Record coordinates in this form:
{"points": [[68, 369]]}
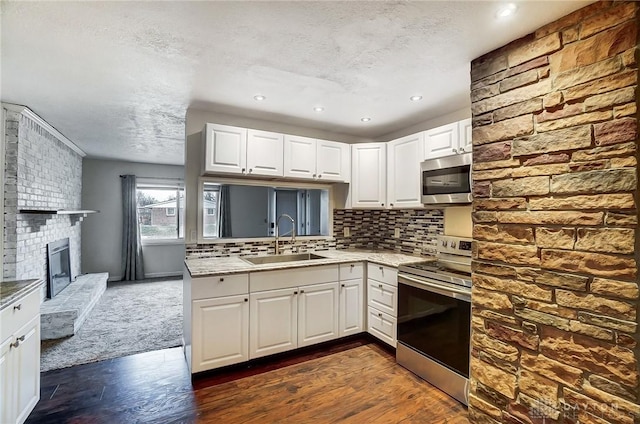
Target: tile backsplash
{"points": [[369, 229]]}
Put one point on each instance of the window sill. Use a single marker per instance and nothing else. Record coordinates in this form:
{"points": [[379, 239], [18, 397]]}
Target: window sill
{"points": [[162, 242]]}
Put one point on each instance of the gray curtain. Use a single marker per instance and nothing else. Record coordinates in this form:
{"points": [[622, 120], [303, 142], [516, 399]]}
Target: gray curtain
{"points": [[132, 264], [225, 212]]}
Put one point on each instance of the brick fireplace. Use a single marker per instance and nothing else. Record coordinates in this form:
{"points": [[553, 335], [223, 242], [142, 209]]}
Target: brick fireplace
{"points": [[43, 170], [555, 298]]}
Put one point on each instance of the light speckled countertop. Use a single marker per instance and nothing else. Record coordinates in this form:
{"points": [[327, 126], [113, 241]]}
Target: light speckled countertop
{"points": [[199, 267], [11, 291]]}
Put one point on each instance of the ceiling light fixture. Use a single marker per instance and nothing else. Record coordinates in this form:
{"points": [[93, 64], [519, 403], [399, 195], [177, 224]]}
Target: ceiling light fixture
{"points": [[415, 98], [365, 119], [259, 98], [506, 10], [318, 109]]}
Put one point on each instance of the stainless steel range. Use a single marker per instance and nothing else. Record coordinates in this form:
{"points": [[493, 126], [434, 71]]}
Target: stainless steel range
{"points": [[434, 317]]}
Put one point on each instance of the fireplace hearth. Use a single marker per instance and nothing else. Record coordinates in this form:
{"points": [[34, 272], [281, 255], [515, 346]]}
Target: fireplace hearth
{"points": [[59, 266]]}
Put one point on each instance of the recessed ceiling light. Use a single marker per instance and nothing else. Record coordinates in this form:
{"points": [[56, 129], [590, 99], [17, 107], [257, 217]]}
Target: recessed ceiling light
{"points": [[415, 98], [506, 10], [318, 109], [365, 119], [259, 98]]}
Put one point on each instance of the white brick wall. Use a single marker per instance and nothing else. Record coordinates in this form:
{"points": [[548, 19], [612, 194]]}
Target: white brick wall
{"points": [[41, 172]]}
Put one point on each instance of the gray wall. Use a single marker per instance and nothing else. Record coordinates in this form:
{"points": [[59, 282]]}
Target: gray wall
{"points": [[101, 233]]}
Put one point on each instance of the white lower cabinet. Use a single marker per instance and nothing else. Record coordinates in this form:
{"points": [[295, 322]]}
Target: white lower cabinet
{"points": [[286, 319], [382, 302], [318, 314], [221, 332], [351, 307], [274, 322], [20, 359]]}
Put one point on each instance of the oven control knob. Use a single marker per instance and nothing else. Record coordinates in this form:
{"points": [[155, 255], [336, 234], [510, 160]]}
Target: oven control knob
{"points": [[444, 243], [453, 244]]}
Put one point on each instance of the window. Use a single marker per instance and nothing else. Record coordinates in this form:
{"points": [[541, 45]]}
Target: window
{"points": [[160, 211], [251, 211]]}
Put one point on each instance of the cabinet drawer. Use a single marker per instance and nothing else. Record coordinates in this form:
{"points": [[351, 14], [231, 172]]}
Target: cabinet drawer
{"points": [[351, 271], [223, 285], [12, 318], [382, 326], [382, 273], [293, 277], [382, 296]]}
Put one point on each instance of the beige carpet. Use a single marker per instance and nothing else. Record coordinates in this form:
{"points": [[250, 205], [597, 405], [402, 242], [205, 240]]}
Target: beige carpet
{"points": [[131, 317]]}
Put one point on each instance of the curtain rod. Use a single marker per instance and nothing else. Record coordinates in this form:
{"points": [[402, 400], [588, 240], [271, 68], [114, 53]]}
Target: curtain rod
{"points": [[155, 178]]}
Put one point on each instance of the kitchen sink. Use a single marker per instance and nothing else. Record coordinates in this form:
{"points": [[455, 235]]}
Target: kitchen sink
{"points": [[272, 259]]}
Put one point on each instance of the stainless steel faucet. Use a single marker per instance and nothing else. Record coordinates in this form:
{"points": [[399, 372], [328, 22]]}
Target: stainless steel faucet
{"points": [[293, 231]]}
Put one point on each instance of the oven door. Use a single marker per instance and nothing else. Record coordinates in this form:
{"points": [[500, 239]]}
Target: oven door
{"points": [[434, 319], [447, 180]]}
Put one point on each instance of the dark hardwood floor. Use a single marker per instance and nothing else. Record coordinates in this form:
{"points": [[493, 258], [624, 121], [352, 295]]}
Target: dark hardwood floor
{"points": [[356, 381]]}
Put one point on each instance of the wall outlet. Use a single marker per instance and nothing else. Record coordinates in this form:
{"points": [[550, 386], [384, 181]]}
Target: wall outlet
{"points": [[347, 232], [396, 233], [193, 235]]}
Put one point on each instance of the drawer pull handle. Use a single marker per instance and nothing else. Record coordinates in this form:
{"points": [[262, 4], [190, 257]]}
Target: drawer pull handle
{"points": [[380, 268], [17, 342], [380, 285], [353, 265], [221, 280], [17, 307]]}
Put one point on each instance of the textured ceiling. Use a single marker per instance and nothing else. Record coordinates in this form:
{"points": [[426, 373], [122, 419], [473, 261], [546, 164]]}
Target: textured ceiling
{"points": [[117, 77]]}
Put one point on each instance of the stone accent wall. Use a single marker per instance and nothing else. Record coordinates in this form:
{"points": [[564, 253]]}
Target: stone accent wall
{"points": [[370, 229], [41, 172], [555, 296]]}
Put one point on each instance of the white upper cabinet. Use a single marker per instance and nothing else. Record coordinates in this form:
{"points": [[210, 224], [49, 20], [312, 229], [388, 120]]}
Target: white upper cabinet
{"points": [[313, 159], [265, 153], [441, 141], [368, 175], [299, 157], [464, 129], [233, 150], [403, 171], [333, 161], [225, 149], [447, 140]]}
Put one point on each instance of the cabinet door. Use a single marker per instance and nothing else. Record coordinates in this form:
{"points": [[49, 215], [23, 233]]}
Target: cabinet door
{"points": [[318, 313], [6, 378], [265, 153], [333, 161], [220, 332], [368, 176], [225, 149], [351, 307], [26, 363], [383, 297], [441, 141], [299, 157], [273, 322], [464, 129], [403, 171]]}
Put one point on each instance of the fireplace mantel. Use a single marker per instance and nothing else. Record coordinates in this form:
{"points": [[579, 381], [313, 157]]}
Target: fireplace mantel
{"points": [[57, 212]]}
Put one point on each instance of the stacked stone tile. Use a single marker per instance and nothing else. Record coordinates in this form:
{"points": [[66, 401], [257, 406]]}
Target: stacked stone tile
{"points": [[555, 297]]}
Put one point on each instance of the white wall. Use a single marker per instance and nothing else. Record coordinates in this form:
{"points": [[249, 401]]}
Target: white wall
{"points": [[102, 232]]}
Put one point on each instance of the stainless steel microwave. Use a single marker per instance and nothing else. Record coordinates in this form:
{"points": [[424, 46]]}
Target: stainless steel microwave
{"points": [[447, 179]]}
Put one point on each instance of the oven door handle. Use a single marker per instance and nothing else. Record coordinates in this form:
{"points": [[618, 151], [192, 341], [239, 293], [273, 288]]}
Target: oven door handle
{"points": [[445, 290]]}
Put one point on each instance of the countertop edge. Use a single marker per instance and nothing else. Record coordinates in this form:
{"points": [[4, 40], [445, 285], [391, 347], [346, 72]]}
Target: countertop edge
{"points": [[29, 287]]}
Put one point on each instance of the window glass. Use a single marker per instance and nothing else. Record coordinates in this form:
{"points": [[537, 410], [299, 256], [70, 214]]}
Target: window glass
{"points": [[160, 212]]}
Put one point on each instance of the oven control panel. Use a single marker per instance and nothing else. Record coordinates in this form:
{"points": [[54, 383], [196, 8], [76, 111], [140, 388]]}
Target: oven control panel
{"points": [[454, 245]]}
